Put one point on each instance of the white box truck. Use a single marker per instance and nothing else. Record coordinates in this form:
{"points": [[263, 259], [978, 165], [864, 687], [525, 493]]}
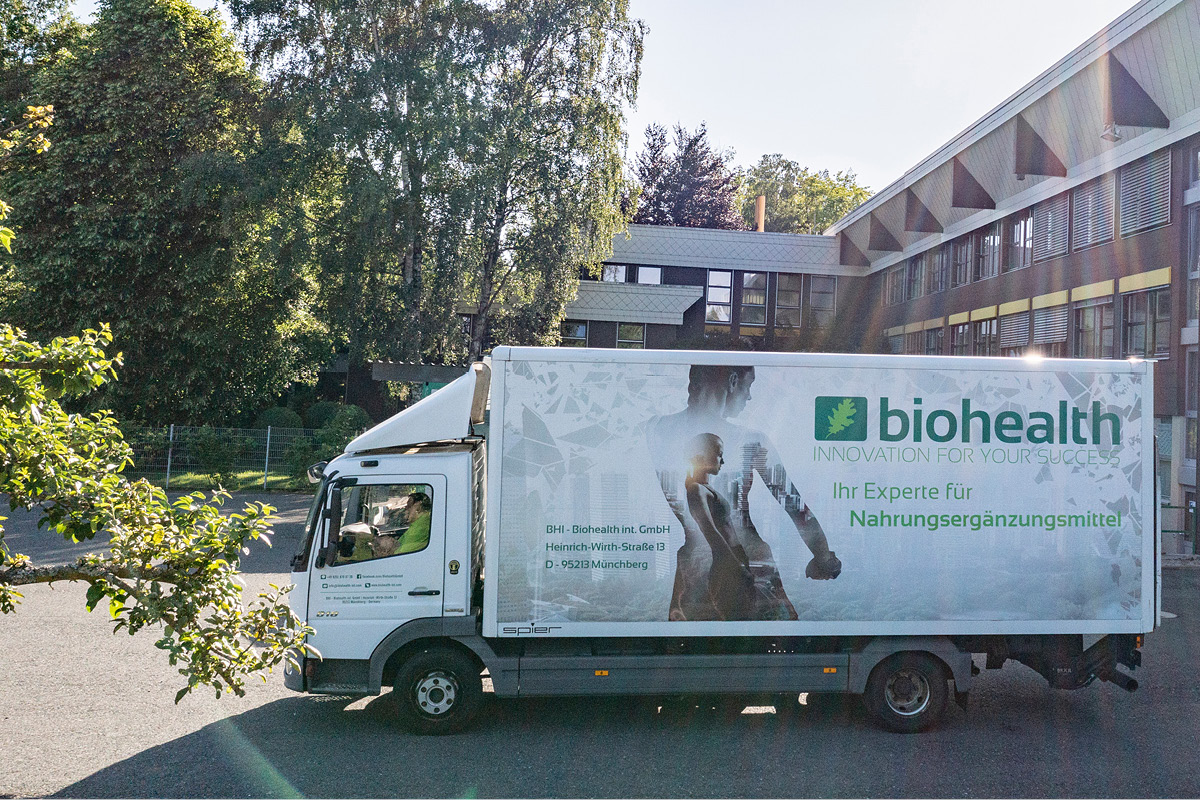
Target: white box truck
{"points": [[758, 524]]}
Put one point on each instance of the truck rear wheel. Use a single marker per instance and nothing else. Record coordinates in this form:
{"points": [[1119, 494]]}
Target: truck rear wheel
{"points": [[439, 691], [907, 692]]}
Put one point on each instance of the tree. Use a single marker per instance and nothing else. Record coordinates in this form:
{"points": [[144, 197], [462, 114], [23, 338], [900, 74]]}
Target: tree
{"points": [[31, 32], [799, 200], [473, 149], [692, 186], [170, 567], [149, 215]]}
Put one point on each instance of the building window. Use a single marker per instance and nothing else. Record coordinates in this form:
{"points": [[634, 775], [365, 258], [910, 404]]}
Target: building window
{"points": [[936, 266], [914, 343], [468, 324], [1014, 334], [754, 298], [822, 298], [961, 256], [916, 277], [987, 265], [573, 333], [649, 275], [1094, 330], [896, 344], [631, 335], [1147, 324], [1050, 330], [1193, 286], [893, 288], [719, 282], [1018, 233], [613, 273], [960, 339], [1094, 216], [984, 339], [787, 301], [1145, 193], [1189, 404], [934, 341], [1050, 223]]}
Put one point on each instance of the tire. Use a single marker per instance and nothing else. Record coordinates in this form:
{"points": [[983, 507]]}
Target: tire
{"points": [[439, 691], [907, 692]]}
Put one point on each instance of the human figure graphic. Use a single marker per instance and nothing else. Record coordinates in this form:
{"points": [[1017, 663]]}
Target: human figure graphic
{"points": [[716, 394], [730, 581]]}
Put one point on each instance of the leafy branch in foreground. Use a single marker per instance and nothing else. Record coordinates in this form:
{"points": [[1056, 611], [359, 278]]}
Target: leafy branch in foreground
{"points": [[171, 567]]}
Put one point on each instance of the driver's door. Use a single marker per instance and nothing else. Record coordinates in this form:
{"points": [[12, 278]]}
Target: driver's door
{"points": [[380, 564]]}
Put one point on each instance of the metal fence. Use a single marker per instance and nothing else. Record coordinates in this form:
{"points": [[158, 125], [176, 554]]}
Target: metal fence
{"points": [[184, 457]]}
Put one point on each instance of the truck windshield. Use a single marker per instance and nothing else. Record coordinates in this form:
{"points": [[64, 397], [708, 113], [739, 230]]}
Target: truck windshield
{"points": [[300, 560]]}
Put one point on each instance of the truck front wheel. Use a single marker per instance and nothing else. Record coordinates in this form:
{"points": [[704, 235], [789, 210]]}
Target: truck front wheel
{"points": [[907, 692], [439, 691]]}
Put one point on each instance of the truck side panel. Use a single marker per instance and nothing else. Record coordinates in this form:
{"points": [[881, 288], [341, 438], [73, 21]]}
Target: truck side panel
{"points": [[700, 494]]}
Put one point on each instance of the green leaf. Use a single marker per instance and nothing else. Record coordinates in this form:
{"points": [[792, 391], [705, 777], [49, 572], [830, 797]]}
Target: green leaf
{"points": [[842, 417]]}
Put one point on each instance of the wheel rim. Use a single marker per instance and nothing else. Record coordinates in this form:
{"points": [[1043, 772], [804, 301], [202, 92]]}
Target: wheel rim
{"points": [[436, 693], [907, 692]]}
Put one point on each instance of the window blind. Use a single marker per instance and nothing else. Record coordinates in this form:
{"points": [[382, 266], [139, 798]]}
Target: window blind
{"points": [[1050, 227], [1146, 193], [1050, 325], [1014, 330], [1095, 205]]}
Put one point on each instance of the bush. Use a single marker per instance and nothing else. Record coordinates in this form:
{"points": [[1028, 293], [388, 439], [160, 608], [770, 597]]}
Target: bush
{"points": [[330, 440], [347, 423], [278, 417], [319, 414], [216, 454]]}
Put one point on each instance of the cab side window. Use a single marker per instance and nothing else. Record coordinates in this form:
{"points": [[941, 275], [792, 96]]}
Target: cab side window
{"points": [[383, 520]]}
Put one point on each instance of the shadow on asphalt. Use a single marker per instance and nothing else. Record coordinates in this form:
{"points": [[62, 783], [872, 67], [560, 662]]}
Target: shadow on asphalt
{"points": [[333, 746]]}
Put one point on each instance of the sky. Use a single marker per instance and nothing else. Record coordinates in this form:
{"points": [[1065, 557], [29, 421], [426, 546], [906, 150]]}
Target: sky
{"points": [[871, 86], [868, 85]]}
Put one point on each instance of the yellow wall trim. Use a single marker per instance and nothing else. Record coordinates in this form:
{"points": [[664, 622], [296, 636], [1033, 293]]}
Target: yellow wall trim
{"points": [[959, 319], [987, 312], [1050, 300], [1146, 280], [1092, 290], [747, 331], [1014, 307], [935, 323], [913, 327]]}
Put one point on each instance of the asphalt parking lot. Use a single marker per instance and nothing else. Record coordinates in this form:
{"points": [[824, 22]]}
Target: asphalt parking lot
{"points": [[85, 713]]}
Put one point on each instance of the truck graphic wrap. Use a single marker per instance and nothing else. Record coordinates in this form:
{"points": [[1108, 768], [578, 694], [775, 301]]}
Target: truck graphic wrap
{"points": [[797, 496]]}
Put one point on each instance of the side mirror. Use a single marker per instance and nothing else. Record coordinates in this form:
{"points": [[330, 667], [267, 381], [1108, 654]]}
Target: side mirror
{"points": [[317, 471]]}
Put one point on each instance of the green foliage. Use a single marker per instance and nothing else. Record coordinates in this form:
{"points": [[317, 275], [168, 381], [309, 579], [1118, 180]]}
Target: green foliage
{"points": [[343, 424], [469, 151], [278, 417], [216, 453], [156, 212], [692, 186], [799, 200], [170, 567], [348, 422], [319, 413]]}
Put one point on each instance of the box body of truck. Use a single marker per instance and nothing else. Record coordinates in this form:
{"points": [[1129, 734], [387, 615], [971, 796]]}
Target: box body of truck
{"points": [[650, 522], [962, 496]]}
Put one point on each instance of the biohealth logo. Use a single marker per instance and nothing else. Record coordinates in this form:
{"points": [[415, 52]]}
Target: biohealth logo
{"points": [[840, 419]]}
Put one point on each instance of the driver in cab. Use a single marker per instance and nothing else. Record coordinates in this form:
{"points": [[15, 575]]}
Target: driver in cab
{"points": [[409, 536]]}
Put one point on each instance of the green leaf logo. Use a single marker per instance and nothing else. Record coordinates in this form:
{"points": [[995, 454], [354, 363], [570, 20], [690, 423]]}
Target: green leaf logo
{"points": [[840, 419]]}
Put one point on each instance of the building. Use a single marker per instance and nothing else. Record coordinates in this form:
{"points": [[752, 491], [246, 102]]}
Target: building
{"points": [[1065, 222]]}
